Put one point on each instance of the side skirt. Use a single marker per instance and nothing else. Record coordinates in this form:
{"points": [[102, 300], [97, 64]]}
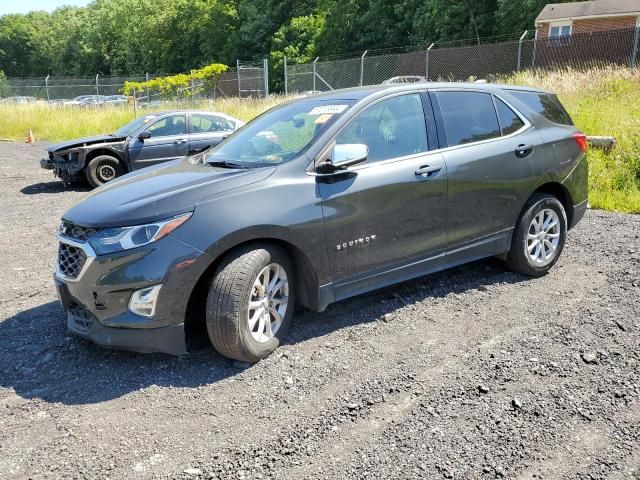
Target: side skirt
{"points": [[495, 244]]}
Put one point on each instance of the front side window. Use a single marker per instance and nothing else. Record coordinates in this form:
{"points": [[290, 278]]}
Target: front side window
{"points": [[280, 134], [210, 123], [468, 117], [170, 125], [390, 129]]}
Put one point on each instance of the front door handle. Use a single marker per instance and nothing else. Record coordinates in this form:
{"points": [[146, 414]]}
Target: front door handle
{"points": [[428, 170], [180, 140], [523, 150]]}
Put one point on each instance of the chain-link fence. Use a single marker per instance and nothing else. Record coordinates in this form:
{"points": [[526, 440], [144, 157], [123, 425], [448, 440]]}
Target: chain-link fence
{"points": [[459, 61], [246, 79]]}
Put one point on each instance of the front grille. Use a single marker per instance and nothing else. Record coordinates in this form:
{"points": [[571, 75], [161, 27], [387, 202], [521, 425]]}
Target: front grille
{"points": [[70, 260], [77, 232], [81, 318]]}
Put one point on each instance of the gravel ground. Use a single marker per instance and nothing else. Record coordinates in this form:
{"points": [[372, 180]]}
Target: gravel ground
{"points": [[471, 373]]}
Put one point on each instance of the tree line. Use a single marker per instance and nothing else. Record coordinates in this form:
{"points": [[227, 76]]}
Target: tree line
{"points": [[123, 37]]}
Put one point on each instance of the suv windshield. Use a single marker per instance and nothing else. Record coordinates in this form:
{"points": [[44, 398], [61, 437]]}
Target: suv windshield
{"points": [[279, 134], [133, 126]]}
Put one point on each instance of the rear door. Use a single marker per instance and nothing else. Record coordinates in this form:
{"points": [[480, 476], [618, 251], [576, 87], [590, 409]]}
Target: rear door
{"points": [[390, 210], [208, 130], [169, 140], [490, 150]]}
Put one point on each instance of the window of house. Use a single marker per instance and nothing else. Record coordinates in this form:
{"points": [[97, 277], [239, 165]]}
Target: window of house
{"points": [[559, 30]]}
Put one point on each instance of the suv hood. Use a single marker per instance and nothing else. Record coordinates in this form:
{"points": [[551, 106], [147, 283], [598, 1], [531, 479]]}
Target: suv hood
{"points": [[81, 142], [157, 193]]}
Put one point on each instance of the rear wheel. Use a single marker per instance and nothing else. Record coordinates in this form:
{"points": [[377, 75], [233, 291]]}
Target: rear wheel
{"points": [[250, 303], [102, 169], [539, 236]]}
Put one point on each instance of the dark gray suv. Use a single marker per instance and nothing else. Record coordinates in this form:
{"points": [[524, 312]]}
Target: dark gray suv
{"points": [[317, 200]]}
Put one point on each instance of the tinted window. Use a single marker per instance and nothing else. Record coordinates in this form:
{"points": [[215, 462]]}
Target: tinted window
{"points": [[171, 125], [210, 123], [545, 104], [509, 121], [280, 134], [392, 128], [468, 117]]}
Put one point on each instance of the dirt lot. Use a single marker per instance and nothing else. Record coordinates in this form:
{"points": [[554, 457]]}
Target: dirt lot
{"points": [[472, 373]]}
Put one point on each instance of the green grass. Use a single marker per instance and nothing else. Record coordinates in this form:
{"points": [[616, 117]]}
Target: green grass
{"points": [[601, 102]]}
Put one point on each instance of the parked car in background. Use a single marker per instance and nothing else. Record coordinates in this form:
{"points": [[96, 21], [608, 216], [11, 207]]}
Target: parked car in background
{"points": [[113, 100], [317, 200], [18, 99], [147, 140], [404, 79]]}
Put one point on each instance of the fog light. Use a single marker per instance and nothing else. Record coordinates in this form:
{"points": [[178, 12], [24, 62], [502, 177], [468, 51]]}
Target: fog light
{"points": [[143, 302]]}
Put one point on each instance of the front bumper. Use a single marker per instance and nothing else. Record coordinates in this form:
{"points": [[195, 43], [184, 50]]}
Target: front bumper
{"points": [[47, 164], [97, 300]]}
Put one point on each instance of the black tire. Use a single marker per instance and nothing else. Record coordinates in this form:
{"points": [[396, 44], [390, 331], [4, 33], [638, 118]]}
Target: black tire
{"points": [[228, 302], [517, 257], [102, 169]]}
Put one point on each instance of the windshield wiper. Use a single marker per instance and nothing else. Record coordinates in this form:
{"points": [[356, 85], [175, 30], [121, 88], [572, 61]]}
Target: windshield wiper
{"points": [[225, 164]]}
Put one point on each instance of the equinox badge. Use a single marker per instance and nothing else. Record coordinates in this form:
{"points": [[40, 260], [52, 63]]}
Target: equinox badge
{"points": [[358, 242]]}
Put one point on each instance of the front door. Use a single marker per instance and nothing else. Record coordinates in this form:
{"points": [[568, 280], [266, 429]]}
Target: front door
{"points": [[168, 141], [388, 212]]}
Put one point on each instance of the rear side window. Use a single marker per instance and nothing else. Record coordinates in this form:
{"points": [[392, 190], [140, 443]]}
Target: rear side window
{"points": [[509, 120], [545, 104], [468, 117]]}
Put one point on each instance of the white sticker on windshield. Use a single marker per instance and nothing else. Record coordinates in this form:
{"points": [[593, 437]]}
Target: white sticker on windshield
{"points": [[328, 109]]}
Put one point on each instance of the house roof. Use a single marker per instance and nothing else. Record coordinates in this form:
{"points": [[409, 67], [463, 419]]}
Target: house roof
{"points": [[594, 8]]}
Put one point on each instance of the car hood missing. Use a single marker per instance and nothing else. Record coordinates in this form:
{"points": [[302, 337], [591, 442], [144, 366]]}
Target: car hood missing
{"points": [[81, 142], [159, 192]]}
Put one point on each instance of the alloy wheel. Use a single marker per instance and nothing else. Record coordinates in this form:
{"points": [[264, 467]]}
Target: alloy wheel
{"points": [[268, 302], [543, 237]]}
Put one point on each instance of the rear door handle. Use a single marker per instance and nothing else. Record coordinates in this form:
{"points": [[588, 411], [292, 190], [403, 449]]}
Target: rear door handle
{"points": [[523, 150], [180, 140], [428, 170]]}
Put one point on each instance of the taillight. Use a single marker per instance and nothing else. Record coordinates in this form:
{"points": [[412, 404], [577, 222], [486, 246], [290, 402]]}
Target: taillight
{"points": [[581, 140]]}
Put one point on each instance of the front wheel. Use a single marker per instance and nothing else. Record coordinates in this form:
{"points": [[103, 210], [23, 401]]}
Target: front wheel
{"points": [[102, 169], [539, 236], [250, 303]]}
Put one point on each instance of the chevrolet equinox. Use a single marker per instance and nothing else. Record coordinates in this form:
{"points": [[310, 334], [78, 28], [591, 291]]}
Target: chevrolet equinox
{"points": [[317, 200]]}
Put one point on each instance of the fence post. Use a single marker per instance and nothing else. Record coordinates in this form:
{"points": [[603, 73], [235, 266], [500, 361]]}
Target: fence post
{"points": [[97, 86], [238, 75], [362, 67], [265, 76], [314, 74], [520, 48], [146, 78], [426, 61], [135, 104], [286, 82], [46, 86], [634, 54]]}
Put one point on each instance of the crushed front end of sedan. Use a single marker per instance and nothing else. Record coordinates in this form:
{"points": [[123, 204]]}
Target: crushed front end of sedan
{"points": [[68, 160]]}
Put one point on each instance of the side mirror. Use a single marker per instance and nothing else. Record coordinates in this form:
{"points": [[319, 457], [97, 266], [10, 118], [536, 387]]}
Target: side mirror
{"points": [[344, 155], [144, 135]]}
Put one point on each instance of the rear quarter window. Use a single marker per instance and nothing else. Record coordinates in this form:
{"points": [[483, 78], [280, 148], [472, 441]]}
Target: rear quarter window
{"points": [[545, 104]]}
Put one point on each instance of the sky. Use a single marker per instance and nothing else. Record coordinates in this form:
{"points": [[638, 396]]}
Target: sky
{"points": [[24, 6]]}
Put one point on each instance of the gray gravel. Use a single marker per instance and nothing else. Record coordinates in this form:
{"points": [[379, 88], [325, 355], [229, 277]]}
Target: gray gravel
{"points": [[471, 373]]}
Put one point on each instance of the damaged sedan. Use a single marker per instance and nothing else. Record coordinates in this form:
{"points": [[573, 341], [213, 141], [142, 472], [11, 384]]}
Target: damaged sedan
{"points": [[147, 140]]}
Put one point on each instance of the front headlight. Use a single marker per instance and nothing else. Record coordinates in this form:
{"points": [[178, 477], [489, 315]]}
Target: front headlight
{"points": [[117, 239]]}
